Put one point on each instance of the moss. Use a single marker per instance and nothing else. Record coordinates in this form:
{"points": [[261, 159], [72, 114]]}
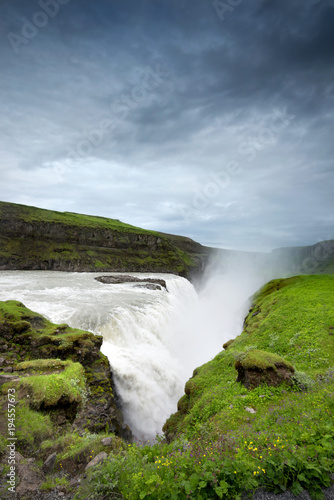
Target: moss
{"points": [[263, 360], [21, 326], [32, 427], [41, 365], [228, 343], [45, 391], [183, 404]]}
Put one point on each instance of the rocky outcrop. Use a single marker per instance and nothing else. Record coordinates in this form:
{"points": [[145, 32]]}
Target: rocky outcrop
{"points": [[150, 283], [260, 367], [44, 348]]}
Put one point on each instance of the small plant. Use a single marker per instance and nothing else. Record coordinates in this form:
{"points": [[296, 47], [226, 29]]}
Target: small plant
{"points": [[52, 482], [302, 381]]}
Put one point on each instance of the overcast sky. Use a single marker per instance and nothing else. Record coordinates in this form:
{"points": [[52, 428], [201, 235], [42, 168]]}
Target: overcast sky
{"points": [[208, 119]]}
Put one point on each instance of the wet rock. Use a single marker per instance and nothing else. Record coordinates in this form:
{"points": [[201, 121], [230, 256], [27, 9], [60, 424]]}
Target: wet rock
{"points": [[149, 286], [150, 283]]}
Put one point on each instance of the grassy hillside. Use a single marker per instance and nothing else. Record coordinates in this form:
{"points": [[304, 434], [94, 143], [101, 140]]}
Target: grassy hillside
{"points": [[226, 439], [34, 238]]}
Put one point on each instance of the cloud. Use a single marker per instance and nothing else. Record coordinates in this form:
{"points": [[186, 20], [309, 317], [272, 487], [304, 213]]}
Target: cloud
{"points": [[163, 115]]}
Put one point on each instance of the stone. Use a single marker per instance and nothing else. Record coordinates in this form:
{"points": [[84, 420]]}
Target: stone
{"points": [[18, 457], [150, 283], [49, 463], [30, 477], [107, 441], [2, 360], [4, 379], [250, 410], [97, 460], [258, 367], [149, 286]]}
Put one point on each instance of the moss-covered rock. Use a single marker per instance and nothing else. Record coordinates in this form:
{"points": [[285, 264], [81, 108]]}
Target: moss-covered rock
{"points": [[67, 363], [258, 367], [227, 344]]}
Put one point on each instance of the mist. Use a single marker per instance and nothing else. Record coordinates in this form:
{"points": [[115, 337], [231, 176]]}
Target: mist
{"points": [[223, 299]]}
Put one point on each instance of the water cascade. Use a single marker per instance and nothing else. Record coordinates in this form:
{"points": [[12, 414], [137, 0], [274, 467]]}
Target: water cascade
{"points": [[153, 338]]}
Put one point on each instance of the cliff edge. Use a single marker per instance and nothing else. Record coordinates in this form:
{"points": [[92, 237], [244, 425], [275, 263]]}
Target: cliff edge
{"points": [[34, 238]]}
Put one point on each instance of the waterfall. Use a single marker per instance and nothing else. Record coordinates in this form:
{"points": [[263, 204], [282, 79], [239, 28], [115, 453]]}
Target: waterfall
{"points": [[139, 329], [153, 338]]}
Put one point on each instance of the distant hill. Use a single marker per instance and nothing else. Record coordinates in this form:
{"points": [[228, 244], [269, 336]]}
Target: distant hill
{"points": [[35, 238], [313, 259]]}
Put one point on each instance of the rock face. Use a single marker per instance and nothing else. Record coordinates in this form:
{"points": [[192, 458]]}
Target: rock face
{"points": [[261, 367], [32, 238], [97, 460], [41, 340], [49, 463], [149, 283]]}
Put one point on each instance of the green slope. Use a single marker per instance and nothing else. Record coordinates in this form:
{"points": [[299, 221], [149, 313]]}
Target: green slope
{"points": [[226, 439]]}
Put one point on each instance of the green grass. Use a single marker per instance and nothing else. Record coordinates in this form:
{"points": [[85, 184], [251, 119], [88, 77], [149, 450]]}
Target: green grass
{"points": [[41, 365], [32, 427], [262, 360], [34, 214], [53, 482], [217, 448], [47, 390]]}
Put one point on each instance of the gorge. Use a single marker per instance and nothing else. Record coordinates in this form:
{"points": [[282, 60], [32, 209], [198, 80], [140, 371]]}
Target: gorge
{"points": [[160, 307]]}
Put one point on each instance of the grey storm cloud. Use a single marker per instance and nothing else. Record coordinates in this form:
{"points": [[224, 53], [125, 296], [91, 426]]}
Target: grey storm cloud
{"points": [[211, 119]]}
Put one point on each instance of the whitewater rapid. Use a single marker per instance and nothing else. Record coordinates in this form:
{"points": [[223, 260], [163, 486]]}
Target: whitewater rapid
{"points": [[153, 338]]}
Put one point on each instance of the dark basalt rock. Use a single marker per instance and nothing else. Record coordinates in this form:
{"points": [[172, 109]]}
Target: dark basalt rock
{"points": [[150, 283]]}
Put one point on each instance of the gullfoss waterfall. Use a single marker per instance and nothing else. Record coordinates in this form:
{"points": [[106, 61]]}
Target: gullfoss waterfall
{"points": [[153, 338]]}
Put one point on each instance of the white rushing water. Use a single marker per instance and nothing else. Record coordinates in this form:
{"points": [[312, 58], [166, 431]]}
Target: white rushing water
{"points": [[153, 339]]}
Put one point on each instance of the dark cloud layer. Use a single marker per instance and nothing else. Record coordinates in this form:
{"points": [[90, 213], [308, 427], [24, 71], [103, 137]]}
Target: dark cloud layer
{"points": [[184, 116]]}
